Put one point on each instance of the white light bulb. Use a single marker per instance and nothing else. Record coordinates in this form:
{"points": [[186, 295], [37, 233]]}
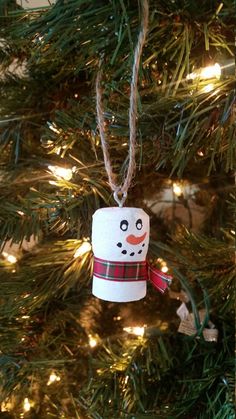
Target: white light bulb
{"points": [[137, 330], [84, 248], [212, 71], [61, 172], [92, 341], [209, 72], [177, 189], [53, 378], [200, 153], [26, 405], [164, 267], [10, 258], [5, 406], [20, 213], [208, 88]]}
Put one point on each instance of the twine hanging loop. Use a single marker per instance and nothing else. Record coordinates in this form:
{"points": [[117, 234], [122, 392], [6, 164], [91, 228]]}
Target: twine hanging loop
{"points": [[120, 201], [122, 189]]}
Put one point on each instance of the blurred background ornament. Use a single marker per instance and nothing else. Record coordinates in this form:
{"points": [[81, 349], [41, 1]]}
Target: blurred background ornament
{"points": [[35, 4], [188, 327]]}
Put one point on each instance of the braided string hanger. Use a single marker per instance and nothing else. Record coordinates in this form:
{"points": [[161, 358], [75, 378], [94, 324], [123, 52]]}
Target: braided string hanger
{"points": [[122, 189]]}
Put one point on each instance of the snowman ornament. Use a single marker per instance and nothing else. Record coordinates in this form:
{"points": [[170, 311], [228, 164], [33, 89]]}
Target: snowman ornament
{"points": [[120, 235], [120, 239]]}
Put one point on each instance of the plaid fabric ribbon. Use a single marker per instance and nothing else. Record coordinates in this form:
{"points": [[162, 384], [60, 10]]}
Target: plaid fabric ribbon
{"points": [[131, 271]]}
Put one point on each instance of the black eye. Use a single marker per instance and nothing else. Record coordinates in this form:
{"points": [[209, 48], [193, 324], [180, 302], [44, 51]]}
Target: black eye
{"points": [[139, 224], [124, 225]]}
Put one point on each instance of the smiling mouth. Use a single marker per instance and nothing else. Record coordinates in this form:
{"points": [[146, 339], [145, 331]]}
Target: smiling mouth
{"points": [[131, 239]]}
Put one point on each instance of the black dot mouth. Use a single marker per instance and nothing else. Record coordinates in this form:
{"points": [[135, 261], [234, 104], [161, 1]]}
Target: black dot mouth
{"points": [[124, 252]]}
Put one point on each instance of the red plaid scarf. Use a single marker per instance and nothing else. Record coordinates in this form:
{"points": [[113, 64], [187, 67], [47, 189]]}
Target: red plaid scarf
{"points": [[131, 271]]}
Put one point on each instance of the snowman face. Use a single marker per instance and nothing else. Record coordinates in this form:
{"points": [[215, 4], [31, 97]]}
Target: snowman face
{"points": [[133, 238], [120, 234]]}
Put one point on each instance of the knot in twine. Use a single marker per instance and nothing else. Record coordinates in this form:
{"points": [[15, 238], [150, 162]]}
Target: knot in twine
{"points": [[122, 189]]}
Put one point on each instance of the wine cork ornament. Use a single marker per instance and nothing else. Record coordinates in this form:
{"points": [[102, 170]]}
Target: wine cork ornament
{"points": [[120, 235], [120, 239]]}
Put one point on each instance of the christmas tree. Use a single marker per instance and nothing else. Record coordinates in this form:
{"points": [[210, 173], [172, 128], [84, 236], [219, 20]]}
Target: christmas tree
{"points": [[63, 352]]}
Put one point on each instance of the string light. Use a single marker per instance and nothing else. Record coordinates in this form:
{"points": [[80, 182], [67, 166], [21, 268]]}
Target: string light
{"points": [[10, 258], [26, 405], [61, 172], [212, 71], [177, 189], [208, 88], [5, 406], [84, 248], [136, 330], [53, 378], [200, 153], [92, 341], [209, 72], [20, 213], [164, 267]]}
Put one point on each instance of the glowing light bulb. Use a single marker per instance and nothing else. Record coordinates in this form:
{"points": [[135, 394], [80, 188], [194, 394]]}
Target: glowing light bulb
{"points": [[10, 258], [200, 153], [5, 406], [209, 72], [53, 378], [208, 88], [137, 330], [212, 71], [84, 248], [26, 405], [92, 341], [20, 213], [164, 267], [177, 189], [61, 172]]}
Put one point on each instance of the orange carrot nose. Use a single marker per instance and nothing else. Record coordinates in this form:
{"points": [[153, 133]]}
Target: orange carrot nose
{"points": [[131, 239]]}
